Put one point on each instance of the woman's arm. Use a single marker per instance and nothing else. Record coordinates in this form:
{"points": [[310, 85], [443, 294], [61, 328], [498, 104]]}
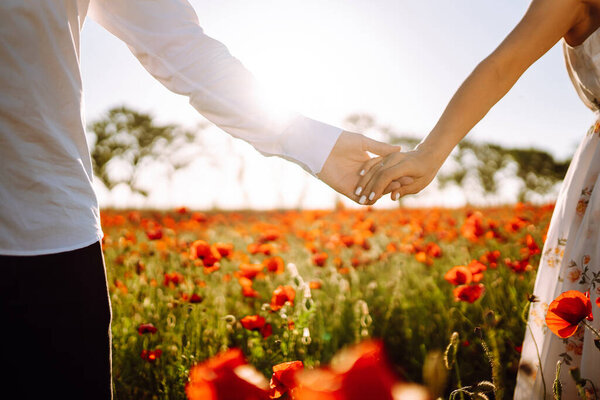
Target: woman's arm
{"points": [[544, 24]]}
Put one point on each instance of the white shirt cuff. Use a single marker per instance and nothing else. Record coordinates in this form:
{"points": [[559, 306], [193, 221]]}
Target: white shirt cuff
{"points": [[308, 142]]}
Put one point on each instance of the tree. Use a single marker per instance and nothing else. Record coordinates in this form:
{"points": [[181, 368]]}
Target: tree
{"points": [[538, 170], [126, 142]]}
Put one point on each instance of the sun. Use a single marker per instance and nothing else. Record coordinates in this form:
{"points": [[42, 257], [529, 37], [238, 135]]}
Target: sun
{"points": [[291, 80], [300, 65]]}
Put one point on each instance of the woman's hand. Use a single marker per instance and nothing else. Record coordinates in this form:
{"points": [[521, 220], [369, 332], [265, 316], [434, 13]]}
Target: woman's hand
{"points": [[401, 173]]}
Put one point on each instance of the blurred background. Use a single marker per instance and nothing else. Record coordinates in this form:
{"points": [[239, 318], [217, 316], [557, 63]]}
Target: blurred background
{"points": [[385, 68]]}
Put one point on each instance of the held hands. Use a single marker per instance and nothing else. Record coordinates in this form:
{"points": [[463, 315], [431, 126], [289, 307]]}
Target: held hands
{"points": [[348, 158], [398, 173]]}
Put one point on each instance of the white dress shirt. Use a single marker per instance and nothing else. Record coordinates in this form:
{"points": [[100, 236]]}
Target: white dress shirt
{"points": [[47, 203]]}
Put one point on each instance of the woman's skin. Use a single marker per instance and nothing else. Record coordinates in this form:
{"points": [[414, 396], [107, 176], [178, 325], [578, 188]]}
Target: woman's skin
{"points": [[543, 25]]}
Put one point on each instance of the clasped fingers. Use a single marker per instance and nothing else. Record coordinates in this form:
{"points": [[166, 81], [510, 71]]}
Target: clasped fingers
{"points": [[381, 175]]}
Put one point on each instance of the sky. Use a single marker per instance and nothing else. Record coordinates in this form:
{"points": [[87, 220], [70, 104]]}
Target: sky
{"points": [[399, 61]]}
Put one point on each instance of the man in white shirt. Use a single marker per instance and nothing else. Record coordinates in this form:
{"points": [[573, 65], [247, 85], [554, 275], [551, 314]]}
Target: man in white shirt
{"points": [[54, 290]]}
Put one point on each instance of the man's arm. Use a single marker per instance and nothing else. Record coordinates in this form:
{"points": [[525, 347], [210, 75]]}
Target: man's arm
{"points": [[166, 38]]}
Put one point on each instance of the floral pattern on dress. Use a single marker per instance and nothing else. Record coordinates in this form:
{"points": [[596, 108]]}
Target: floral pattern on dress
{"points": [[582, 273], [573, 346], [538, 315], [594, 129], [553, 255], [584, 200]]}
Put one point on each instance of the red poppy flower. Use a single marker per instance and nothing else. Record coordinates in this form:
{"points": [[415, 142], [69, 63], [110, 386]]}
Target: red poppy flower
{"points": [[319, 259], [245, 282], [282, 380], [590, 316], [566, 312], [198, 217], [269, 235], [146, 328], [347, 240], [357, 373], [282, 295], [422, 257], [490, 258], [477, 270], [532, 247], [433, 250], [209, 254], [172, 279], [199, 249], [459, 275], [224, 249], [196, 298], [468, 293], [253, 322], [264, 248], [519, 349], [154, 233], [151, 355], [515, 224], [518, 266], [473, 227], [248, 291], [274, 264], [249, 271], [315, 285], [226, 376], [266, 331], [253, 248]]}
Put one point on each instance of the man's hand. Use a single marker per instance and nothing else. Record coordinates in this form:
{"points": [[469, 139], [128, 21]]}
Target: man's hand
{"points": [[342, 169]]}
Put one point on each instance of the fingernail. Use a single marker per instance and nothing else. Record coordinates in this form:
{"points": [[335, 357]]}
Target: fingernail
{"points": [[396, 196], [362, 172], [362, 199], [358, 190], [371, 196]]}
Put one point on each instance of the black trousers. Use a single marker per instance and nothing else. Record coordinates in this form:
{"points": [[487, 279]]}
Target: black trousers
{"points": [[55, 325]]}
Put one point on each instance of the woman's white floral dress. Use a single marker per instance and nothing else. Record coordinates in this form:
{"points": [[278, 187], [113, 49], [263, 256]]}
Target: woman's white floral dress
{"points": [[571, 255]]}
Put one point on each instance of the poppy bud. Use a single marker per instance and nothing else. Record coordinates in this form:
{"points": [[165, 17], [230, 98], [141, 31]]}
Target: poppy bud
{"points": [[575, 374], [450, 353], [484, 387], [490, 318], [532, 298]]}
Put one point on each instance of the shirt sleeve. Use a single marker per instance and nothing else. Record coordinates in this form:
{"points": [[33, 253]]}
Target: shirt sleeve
{"points": [[167, 39]]}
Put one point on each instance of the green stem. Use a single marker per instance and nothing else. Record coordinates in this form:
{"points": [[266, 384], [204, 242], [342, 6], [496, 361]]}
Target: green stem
{"points": [[525, 312], [458, 381], [593, 388], [590, 327], [537, 351], [493, 365]]}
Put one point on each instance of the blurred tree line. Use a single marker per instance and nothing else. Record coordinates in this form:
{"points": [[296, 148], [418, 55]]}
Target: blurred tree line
{"points": [[125, 142]]}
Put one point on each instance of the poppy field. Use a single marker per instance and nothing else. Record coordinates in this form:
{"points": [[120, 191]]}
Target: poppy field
{"points": [[281, 304]]}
